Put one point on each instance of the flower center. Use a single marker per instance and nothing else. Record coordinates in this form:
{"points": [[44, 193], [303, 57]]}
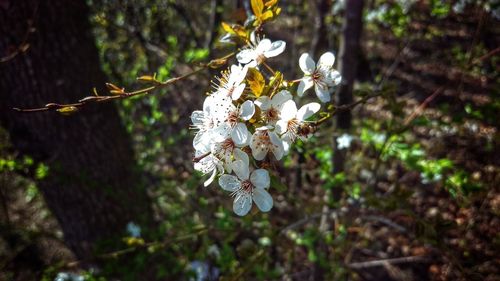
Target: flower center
{"points": [[247, 186], [272, 115], [317, 75], [228, 145], [232, 118]]}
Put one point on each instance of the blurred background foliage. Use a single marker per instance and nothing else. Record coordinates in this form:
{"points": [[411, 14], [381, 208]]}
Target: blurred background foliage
{"points": [[422, 172]]}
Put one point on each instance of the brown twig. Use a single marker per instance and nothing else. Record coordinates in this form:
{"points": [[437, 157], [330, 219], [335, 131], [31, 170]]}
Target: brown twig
{"points": [[159, 244], [24, 45], [345, 107], [199, 158], [367, 264], [421, 107], [117, 93]]}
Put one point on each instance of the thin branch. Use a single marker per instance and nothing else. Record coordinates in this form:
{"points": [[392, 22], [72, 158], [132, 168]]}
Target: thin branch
{"points": [[158, 244], [24, 46], [306, 220], [367, 264], [117, 93], [387, 222], [345, 107], [421, 107]]}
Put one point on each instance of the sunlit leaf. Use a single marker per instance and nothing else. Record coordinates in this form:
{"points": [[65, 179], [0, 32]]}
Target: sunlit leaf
{"points": [[257, 7], [267, 15], [256, 81], [227, 28], [271, 3], [67, 110]]}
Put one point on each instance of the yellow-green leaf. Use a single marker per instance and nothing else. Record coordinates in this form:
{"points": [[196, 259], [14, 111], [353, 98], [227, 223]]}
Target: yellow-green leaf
{"points": [[267, 15], [257, 7], [271, 3], [67, 110], [146, 78], [227, 28], [256, 81]]}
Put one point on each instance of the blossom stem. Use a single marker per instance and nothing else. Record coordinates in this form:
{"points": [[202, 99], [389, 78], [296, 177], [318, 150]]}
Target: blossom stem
{"points": [[199, 158], [269, 68]]}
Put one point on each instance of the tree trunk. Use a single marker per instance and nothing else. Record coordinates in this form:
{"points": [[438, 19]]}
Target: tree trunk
{"points": [[348, 65], [319, 42], [91, 187]]}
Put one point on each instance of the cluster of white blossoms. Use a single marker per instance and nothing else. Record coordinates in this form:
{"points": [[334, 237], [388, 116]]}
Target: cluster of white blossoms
{"points": [[239, 132]]}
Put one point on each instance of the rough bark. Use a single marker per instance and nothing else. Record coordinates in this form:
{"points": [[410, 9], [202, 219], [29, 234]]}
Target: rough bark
{"points": [[348, 65], [91, 187]]}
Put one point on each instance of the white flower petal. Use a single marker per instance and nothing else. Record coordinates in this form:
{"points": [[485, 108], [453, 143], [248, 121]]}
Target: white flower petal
{"points": [[253, 38], [305, 84], [322, 93], [247, 110], [253, 63], [259, 151], [277, 149], [262, 199], [286, 144], [327, 60], [241, 169], [197, 117], [276, 48], [242, 203], [241, 155], [211, 179], [202, 141], [308, 110], [240, 134], [281, 126], [289, 110], [260, 178], [246, 56], [264, 45], [280, 98], [264, 102], [229, 182], [264, 128], [335, 76], [306, 63], [221, 132], [238, 91]]}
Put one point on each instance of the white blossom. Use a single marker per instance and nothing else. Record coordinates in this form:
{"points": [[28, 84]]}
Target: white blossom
{"points": [[231, 83], [233, 125], [264, 141], [246, 188], [271, 107], [292, 121], [204, 121], [260, 50], [344, 141], [208, 164], [321, 76]]}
